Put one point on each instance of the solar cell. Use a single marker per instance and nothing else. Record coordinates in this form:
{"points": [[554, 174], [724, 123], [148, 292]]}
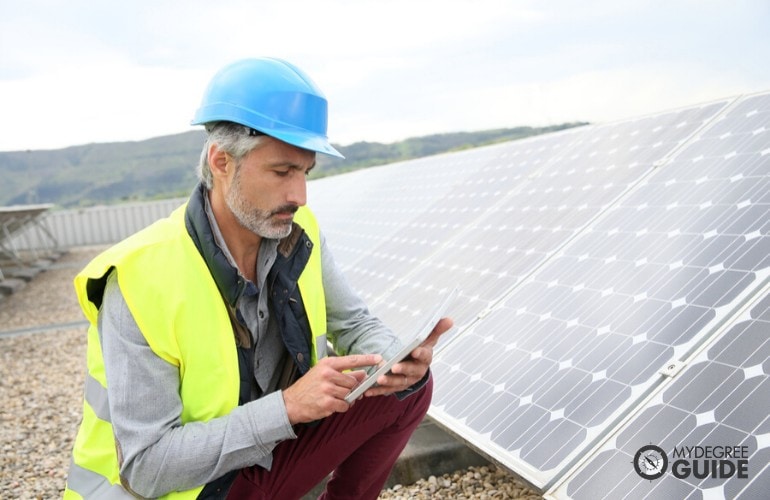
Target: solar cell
{"points": [[579, 342]]}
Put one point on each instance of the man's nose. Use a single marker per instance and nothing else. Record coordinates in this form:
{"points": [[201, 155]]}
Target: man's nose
{"points": [[297, 194]]}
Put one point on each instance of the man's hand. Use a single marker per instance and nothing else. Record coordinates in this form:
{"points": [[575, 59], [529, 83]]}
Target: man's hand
{"points": [[412, 369], [322, 390]]}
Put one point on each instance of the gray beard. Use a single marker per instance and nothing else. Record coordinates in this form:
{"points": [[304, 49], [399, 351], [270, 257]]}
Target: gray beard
{"points": [[255, 220]]}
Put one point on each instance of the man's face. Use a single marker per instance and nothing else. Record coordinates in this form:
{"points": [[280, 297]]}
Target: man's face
{"points": [[268, 186]]}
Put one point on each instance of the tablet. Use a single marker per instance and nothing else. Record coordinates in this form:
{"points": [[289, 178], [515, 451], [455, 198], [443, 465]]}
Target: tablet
{"points": [[416, 339]]}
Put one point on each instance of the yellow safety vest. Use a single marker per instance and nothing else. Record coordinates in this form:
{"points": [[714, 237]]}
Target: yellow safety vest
{"points": [[177, 306]]}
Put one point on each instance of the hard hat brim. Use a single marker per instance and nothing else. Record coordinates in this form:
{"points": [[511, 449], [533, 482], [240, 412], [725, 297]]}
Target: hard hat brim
{"points": [[281, 131]]}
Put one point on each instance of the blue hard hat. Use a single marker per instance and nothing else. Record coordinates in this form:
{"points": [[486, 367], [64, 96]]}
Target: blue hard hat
{"points": [[271, 96]]}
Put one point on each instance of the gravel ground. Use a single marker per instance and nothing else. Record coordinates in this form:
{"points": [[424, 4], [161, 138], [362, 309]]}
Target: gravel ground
{"points": [[474, 482], [41, 383]]}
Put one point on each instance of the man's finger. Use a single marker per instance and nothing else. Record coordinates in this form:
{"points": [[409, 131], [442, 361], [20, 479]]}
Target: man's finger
{"points": [[421, 354], [342, 363], [443, 325], [359, 375]]}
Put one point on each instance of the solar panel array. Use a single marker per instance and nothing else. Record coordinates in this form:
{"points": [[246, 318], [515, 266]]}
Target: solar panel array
{"points": [[589, 261], [18, 225]]}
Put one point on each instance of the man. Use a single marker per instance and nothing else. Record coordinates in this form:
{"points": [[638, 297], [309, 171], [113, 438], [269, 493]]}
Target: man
{"points": [[207, 370]]}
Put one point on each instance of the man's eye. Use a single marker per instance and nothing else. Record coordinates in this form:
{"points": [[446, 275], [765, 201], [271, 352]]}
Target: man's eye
{"points": [[281, 173]]}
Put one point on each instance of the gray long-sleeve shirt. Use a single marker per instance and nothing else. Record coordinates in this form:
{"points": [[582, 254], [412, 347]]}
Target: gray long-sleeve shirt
{"points": [[159, 453]]}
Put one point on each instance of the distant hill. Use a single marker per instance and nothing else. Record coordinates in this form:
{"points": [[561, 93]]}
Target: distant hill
{"points": [[164, 167]]}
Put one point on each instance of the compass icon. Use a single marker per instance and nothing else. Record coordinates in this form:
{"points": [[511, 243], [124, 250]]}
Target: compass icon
{"points": [[650, 462]]}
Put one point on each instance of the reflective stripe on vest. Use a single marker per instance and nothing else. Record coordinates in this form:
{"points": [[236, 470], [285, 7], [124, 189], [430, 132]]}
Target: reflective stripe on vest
{"points": [[182, 286], [89, 484], [96, 397]]}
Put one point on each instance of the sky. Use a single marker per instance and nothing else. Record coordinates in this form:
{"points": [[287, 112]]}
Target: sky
{"points": [[75, 72]]}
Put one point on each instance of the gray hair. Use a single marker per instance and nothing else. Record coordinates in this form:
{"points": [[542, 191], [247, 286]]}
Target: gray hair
{"points": [[233, 138]]}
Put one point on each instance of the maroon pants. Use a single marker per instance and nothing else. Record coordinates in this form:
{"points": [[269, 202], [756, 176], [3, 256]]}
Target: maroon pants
{"points": [[360, 446]]}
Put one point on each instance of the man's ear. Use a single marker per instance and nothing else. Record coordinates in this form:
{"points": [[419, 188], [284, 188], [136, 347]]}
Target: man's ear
{"points": [[218, 161]]}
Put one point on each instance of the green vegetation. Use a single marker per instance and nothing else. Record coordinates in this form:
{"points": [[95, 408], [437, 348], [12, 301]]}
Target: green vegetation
{"points": [[164, 167]]}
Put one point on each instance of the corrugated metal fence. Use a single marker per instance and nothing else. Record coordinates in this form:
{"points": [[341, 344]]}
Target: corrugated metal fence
{"points": [[99, 225]]}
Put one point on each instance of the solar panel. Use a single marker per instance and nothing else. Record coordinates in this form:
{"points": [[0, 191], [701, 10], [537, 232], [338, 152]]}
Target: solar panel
{"points": [[579, 342], [720, 400], [534, 215], [15, 222]]}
